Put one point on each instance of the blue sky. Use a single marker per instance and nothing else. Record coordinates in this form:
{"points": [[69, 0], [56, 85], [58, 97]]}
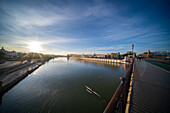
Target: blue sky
{"points": [[85, 26]]}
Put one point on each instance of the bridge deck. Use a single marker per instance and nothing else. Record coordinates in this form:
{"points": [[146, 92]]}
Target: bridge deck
{"points": [[151, 89]]}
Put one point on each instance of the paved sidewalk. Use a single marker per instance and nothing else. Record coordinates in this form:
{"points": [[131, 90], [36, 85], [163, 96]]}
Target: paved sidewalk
{"points": [[8, 78], [9, 64], [151, 89]]}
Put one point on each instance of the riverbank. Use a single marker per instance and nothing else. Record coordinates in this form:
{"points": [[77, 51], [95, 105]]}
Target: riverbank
{"points": [[11, 77], [12, 66], [160, 63], [103, 60]]}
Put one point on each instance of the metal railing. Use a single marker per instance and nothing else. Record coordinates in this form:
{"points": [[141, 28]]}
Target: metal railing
{"points": [[118, 102]]}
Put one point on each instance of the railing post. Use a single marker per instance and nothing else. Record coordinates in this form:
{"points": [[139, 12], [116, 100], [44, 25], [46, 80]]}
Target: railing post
{"points": [[120, 95], [123, 102]]}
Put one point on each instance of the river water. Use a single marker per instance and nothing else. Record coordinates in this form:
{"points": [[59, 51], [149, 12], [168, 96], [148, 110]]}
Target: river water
{"points": [[58, 86]]}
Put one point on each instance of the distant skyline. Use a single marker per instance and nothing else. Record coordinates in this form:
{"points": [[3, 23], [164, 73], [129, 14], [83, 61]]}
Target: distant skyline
{"points": [[85, 26]]}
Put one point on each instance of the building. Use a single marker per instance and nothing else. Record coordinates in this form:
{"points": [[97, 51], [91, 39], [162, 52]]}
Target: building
{"points": [[100, 55], [9, 54], [156, 54], [109, 56], [159, 53], [115, 55]]}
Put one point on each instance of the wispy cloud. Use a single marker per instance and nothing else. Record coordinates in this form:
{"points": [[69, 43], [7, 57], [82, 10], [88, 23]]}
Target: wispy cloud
{"points": [[98, 25], [31, 16], [107, 49]]}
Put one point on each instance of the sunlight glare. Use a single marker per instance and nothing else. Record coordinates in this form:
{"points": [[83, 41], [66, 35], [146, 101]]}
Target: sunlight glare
{"points": [[35, 47]]}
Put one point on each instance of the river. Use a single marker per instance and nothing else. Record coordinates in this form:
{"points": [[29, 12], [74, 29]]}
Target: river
{"points": [[58, 86]]}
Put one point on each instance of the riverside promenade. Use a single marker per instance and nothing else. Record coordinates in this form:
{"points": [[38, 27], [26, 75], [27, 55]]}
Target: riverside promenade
{"points": [[9, 64], [151, 89], [11, 77]]}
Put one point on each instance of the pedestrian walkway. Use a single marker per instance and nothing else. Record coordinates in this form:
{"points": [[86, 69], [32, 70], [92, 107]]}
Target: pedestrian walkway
{"points": [[151, 89], [9, 64], [8, 78]]}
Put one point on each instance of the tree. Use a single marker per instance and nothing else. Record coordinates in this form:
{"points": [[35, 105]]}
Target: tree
{"points": [[20, 54], [129, 53], [2, 55]]}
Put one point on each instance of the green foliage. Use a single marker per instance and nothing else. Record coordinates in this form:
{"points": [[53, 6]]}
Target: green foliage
{"points": [[2, 55], [20, 54], [129, 53]]}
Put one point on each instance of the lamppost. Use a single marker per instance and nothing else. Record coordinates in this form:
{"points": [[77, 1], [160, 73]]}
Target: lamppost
{"points": [[132, 51], [132, 47]]}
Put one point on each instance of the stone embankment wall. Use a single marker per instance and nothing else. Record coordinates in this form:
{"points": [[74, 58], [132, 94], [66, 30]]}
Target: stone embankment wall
{"points": [[103, 60]]}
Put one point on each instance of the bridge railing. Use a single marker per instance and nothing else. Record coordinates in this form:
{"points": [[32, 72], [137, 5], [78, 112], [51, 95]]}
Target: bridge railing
{"points": [[119, 99]]}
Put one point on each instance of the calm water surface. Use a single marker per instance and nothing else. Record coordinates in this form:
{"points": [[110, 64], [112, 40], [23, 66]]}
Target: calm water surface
{"points": [[59, 87]]}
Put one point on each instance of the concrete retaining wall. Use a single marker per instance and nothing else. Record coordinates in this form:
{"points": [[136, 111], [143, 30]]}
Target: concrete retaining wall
{"points": [[104, 60]]}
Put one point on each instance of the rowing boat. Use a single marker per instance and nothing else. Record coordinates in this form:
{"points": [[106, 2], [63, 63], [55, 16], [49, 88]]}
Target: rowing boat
{"points": [[90, 90]]}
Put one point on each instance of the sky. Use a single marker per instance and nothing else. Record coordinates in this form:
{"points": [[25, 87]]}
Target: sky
{"points": [[85, 26]]}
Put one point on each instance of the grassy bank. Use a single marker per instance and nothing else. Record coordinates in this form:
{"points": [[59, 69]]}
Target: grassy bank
{"points": [[164, 66]]}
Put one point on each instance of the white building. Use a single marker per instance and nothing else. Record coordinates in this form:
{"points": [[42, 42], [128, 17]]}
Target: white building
{"points": [[100, 55]]}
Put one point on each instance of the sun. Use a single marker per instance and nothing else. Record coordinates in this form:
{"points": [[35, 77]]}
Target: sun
{"points": [[35, 46]]}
